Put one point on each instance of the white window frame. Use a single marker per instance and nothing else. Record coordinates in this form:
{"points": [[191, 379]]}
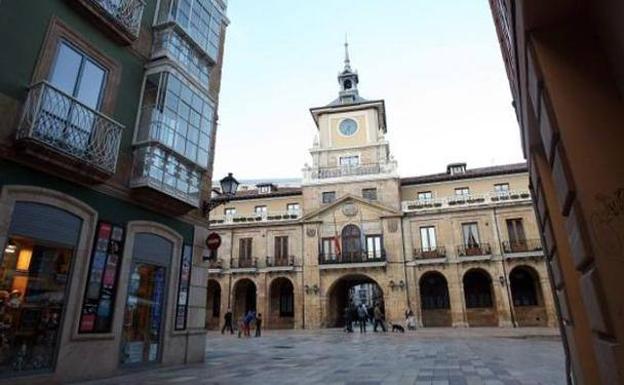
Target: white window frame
{"points": [[462, 191], [374, 246], [349, 156], [428, 238], [425, 198]]}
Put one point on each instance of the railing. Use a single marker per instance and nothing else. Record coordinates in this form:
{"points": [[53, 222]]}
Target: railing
{"points": [[473, 250], [125, 13], [270, 217], [280, 261], [243, 263], [465, 200], [430, 253], [522, 246], [363, 257], [215, 263], [63, 123], [316, 173]]}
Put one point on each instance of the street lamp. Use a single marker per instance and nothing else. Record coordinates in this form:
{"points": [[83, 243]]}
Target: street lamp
{"points": [[229, 185]]}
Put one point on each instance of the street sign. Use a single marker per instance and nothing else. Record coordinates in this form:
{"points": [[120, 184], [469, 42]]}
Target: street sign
{"points": [[213, 241]]}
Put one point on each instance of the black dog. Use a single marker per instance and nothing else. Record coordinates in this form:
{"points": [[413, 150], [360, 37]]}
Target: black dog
{"points": [[397, 328]]}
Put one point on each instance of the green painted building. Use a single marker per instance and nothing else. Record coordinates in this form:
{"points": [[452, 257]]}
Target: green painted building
{"points": [[108, 112]]}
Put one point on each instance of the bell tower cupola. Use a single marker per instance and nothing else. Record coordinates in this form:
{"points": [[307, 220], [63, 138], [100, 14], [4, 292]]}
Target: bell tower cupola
{"points": [[348, 80]]}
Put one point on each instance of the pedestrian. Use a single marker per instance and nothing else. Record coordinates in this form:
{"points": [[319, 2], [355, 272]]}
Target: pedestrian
{"points": [[247, 320], [362, 316], [410, 320], [348, 320], [228, 322], [379, 319], [241, 326], [258, 324]]}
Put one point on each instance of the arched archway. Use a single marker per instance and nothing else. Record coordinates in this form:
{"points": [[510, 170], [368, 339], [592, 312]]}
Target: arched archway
{"points": [[434, 300], [479, 298], [527, 296], [351, 243], [243, 297], [213, 305], [281, 304], [351, 290]]}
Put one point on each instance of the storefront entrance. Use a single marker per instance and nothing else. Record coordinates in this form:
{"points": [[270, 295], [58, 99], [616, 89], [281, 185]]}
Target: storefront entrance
{"points": [[34, 274], [145, 305]]}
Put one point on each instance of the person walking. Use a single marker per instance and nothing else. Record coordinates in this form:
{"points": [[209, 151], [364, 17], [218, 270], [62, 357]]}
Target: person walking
{"points": [[379, 318], [348, 320], [258, 324], [362, 316], [249, 317], [228, 322]]}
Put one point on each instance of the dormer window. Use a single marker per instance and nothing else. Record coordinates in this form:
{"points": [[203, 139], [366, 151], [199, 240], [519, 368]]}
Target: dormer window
{"points": [[456, 168], [347, 84], [266, 188]]}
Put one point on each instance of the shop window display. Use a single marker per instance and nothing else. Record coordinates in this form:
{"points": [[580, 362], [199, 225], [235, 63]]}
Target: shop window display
{"points": [[33, 280]]}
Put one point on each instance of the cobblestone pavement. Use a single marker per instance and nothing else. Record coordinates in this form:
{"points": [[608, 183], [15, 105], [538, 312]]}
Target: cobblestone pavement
{"points": [[430, 356]]}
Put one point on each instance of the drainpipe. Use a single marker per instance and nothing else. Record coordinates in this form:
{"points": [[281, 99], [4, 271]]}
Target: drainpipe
{"points": [[407, 295], [506, 281]]}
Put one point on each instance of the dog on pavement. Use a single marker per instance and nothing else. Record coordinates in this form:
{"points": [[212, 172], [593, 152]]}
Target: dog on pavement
{"points": [[397, 328]]}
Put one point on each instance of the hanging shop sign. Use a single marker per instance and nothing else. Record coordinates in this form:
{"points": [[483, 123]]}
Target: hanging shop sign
{"points": [[97, 308], [184, 284]]}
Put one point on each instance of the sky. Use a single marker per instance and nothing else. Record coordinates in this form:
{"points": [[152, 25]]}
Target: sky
{"points": [[436, 63]]}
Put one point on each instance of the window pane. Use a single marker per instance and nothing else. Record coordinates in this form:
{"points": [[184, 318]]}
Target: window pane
{"points": [[66, 68], [91, 84], [432, 238]]}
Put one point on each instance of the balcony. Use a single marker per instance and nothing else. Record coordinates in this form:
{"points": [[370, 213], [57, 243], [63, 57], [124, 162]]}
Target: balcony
{"points": [[215, 265], [122, 16], [260, 218], [55, 121], [280, 261], [466, 201], [475, 251], [523, 248], [316, 174], [352, 260], [244, 264], [429, 253]]}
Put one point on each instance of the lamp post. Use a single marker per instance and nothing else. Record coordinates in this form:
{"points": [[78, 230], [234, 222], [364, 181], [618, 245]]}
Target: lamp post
{"points": [[229, 185]]}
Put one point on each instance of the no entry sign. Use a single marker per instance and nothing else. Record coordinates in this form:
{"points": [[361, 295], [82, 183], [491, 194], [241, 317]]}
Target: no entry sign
{"points": [[213, 241]]}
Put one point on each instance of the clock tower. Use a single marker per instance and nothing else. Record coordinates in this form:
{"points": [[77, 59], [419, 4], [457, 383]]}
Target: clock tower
{"points": [[350, 146]]}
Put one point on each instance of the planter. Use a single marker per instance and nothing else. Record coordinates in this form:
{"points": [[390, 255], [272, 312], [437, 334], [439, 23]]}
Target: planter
{"points": [[524, 195], [495, 199], [515, 196], [437, 204]]}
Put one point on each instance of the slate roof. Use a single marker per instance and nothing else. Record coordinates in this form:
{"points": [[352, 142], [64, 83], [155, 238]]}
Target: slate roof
{"points": [[253, 194], [514, 168]]}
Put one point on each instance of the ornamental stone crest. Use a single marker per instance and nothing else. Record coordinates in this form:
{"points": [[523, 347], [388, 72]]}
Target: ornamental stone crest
{"points": [[311, 232], [349, 209], [393, 225]]}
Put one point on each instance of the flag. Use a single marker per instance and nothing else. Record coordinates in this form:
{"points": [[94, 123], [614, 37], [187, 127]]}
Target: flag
{"points": [[336, 239]]}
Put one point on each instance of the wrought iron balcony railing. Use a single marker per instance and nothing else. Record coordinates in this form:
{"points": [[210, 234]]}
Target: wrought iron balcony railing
{"points": [[244, 263], [64, 124], [125, 13], [473, 250], [280, 261], [360, 257], [265, 217], [430, 253], [315, 173], [216, 263], [465, 200], [523, 246]]}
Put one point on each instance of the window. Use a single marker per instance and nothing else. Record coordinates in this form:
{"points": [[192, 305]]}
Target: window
{"points": [[370, 194], [351, 242], [349, 161], [229, 212], [428, 240], [517, 238], [329, 196], [264, 189], [244, 249], [328, 248], [374, 247], [81, 77], [260, 211], [425, 196], [462, 191], [471, 234], [281, 248], [501, 189], [292, 208]]}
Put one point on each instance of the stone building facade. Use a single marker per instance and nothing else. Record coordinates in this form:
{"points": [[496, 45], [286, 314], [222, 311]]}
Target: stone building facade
{"points": [[107, 131], [459, 248], [565, 64]]}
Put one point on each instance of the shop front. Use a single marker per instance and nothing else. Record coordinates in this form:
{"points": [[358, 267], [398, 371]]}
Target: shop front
{"points": [[76, 288]]}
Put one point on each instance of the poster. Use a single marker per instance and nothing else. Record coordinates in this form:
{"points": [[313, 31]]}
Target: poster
{"points": [[183, 287]]}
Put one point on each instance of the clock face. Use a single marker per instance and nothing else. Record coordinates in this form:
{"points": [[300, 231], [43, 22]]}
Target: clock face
{"points": [[348, 127]]}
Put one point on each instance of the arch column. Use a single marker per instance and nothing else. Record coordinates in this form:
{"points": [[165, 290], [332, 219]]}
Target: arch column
{"points": [[456, 297], [502, 293]]}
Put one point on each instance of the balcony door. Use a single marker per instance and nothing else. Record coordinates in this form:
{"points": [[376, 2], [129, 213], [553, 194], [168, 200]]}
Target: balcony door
{"points": [[70, 106], [351, 243], [517, 238]]}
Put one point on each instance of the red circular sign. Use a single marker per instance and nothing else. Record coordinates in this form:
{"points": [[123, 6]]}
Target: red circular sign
{"points": [[213, 241]]}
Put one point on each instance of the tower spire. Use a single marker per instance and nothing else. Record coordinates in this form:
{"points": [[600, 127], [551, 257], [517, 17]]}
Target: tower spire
{"points": [[347, 62]]}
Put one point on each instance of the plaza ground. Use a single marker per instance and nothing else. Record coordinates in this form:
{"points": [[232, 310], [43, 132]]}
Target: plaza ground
{"points": [[489, 356]]}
